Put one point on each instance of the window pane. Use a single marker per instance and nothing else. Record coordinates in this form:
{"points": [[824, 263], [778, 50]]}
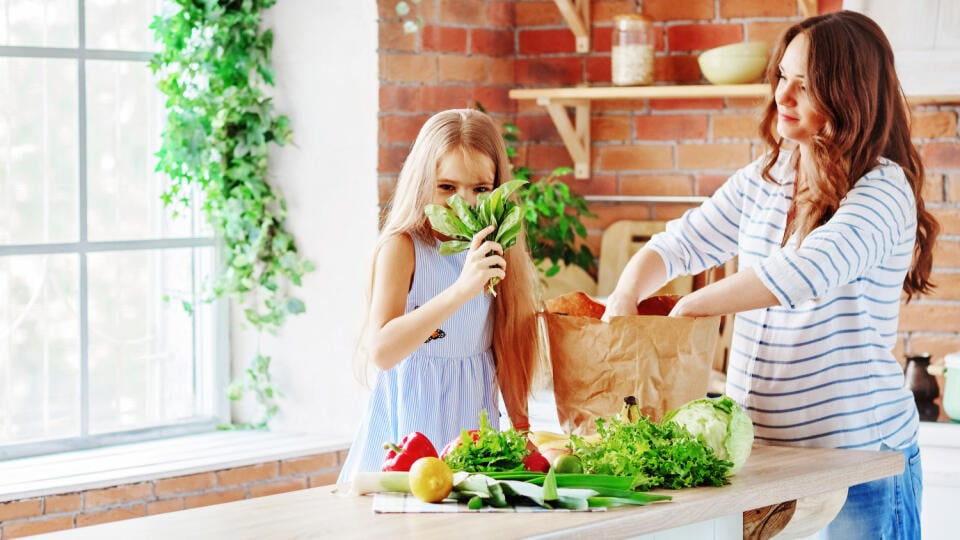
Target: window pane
{"points": [[39, 347], [38, 150], [121, 24], [142, 370], [124, 122], [43, 23]]}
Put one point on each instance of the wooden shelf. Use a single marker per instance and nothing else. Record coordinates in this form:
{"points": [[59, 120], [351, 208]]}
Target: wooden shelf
{"points": [[575, 131], [576, 13]]}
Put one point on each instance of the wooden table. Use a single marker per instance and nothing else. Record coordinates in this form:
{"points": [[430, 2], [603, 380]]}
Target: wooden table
{"points": [[771, 475]]}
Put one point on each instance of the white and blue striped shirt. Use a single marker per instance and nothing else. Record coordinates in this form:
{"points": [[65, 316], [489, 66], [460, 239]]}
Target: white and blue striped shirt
{"points": [[817, 370]]}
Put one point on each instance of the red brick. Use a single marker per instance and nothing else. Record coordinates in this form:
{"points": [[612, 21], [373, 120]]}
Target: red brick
{"points": [[735, 126], [309, 464], [402, 129], [699, 37], [500, 14], [391, 158], [493, 99], [920, 317], [944, 155], [184, 484], [948, 286], [949, 218], [603, 11], [655, 184], [113, 514], [55, 504], [639, 157], [385, 187], [438, 98], [753, 105], [164, 506], [408, 68], [279, 486], [19, 509], [546, 41], [708, 184], [933, 124], [610, 128], [537, 128], [501, 71], [393, 38], [444, 39], [601, 40], [547, 71], [672, 10], [671, 127], [491, 42], [666, 212], [619, 105], [250, 473], [767, 31], [536, 14], [953, 187], [469, 69], [686, 104], [325, 479], [545, 158], [758, 8], [946, 253], [676, 68], [470, 13], [30, 528], [598, 70], [932, 188], [729, 156], [611, 213], [399, 98], [597, 184], [214, 497], [116, 495]]}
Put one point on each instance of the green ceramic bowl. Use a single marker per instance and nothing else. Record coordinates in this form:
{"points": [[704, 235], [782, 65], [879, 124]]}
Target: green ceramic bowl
{"points": [[738, 63]]}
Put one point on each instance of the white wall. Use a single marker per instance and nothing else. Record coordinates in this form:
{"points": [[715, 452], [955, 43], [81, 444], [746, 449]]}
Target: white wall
{"points": [[325, 57]]}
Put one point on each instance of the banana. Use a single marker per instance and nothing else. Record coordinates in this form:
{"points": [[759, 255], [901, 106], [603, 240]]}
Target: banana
{"points": [[630, 411]]}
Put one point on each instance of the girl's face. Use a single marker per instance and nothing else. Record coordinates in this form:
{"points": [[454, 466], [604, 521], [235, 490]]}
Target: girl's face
{"points": [[464, 173], [797, 119]]}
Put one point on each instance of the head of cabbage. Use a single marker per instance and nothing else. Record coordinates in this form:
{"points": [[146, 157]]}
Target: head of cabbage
{"points": [[722, 425]]}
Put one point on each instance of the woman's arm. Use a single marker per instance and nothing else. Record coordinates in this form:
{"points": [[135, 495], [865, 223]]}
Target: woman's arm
{"points": [[393, 334], [742, 291], [643, 274]]}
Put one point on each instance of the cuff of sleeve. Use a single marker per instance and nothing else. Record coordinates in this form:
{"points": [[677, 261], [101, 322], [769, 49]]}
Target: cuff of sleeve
{"points": [[782, 279]]}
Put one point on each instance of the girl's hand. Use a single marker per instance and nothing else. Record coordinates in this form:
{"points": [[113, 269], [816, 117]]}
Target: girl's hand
{"points": [[484, 261], [617, 306]]}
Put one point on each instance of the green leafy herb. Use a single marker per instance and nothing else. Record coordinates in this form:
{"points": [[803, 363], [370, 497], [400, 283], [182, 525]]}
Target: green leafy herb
{"points": [[491, 450], [460, 221], [654, 455]]}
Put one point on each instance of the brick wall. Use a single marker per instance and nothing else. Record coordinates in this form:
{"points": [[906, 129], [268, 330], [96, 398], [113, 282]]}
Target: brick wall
{"points": [[64, 511], [640, 147]]}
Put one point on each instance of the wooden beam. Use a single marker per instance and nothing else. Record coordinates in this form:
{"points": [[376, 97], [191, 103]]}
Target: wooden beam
{"points": [[577, 15]]}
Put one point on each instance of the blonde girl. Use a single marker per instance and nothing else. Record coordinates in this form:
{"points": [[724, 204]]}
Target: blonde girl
{"points": [[445, 350]]}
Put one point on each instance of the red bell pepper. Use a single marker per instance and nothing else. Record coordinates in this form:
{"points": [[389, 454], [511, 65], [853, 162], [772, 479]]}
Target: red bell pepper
{"points": [[411, 448], [537, 462], [457, 441]]}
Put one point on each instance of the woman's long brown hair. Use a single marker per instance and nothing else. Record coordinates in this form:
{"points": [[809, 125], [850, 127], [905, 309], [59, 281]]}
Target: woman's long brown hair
{"points": [[851, 81]]}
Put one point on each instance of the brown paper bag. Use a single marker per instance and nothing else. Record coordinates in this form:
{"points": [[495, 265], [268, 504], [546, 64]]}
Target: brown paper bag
{"points": [[663, 361]]}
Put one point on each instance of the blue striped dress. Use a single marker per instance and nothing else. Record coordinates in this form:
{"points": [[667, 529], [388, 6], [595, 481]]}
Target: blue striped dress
{"points": [[441, 388], [818, 369]]}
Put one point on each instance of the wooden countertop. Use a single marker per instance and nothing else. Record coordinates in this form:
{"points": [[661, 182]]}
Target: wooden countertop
{"points": [[771, 475]]}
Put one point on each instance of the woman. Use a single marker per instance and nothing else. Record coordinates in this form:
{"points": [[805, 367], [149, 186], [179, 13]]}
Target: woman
{"points": [[829, 227]]}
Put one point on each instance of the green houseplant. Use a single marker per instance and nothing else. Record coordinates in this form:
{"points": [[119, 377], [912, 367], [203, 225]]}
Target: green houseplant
{"points": [[213, 68]]}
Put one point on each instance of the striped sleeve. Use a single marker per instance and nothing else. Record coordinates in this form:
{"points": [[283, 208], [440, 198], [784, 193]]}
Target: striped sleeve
{"points": [[705, 236], [862, 233]]}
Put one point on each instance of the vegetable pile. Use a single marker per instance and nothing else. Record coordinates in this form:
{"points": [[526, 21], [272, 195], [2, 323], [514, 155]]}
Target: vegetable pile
{"points": [[460, 222]]}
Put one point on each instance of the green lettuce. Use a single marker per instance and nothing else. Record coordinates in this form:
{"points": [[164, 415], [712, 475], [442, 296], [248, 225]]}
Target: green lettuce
{"points": [[721, 424]]}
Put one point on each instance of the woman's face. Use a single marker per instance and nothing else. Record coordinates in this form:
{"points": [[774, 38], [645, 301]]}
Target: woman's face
{"points": [[467, 174], [797, 119]]}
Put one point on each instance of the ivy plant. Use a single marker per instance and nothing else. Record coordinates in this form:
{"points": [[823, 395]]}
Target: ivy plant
{"points": [[214, 67]]}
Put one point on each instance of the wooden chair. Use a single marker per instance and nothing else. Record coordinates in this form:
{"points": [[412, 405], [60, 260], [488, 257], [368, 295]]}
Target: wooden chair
{"points": [[568, 279], [620, 241]]}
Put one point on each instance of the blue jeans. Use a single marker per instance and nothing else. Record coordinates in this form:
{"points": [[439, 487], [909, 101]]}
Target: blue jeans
{"points": [[885, 509]]}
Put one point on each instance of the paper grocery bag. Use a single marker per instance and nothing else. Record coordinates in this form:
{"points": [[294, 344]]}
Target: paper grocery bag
{"points": [[663, 361]]}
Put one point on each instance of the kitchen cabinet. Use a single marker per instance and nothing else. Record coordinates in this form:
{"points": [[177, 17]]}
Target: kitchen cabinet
{"points": [[569, 108], [940, 458], [771, 475]]}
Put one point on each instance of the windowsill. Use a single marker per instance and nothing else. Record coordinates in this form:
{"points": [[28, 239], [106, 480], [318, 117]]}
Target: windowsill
{"points": [[69, 472]]}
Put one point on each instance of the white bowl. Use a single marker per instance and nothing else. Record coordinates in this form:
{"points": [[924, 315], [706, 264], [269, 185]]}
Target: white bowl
{"points": [[738, 63]]}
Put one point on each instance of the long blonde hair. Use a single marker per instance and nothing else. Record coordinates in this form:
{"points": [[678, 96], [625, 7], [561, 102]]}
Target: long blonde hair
{"points": [[851, 80], [515, 343]]}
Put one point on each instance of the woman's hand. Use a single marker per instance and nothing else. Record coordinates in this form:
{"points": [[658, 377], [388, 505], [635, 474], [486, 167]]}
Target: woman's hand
{"points": [[619, 305], [484, 261]]}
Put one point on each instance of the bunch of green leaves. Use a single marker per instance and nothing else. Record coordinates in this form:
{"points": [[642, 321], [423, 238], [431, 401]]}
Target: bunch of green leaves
{"points": [[213, 67], [488, 449], [655, 455], [552, 212], [461, 222]]}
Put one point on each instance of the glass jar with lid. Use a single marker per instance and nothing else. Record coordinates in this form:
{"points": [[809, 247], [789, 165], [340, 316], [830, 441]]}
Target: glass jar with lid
{"points": [[951, 388], [631, 53]]}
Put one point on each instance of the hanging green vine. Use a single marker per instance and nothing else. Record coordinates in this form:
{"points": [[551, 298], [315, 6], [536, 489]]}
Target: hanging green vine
{"points": [[213, 67]]}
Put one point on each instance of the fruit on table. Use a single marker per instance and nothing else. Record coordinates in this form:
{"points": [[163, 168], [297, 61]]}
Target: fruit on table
{"points": [[536, 462], [567, 463], [630, 411], [431, 480], [411, 448]]}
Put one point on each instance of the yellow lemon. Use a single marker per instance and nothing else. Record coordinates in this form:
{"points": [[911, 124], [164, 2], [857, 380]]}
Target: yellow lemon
{"points": [[431, 480]]}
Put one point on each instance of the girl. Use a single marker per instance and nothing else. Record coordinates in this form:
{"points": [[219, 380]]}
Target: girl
{"points": [[829, 227], [441, 345]]}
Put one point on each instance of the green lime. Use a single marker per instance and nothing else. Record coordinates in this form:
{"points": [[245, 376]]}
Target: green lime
{"points": [[567, 463]]}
